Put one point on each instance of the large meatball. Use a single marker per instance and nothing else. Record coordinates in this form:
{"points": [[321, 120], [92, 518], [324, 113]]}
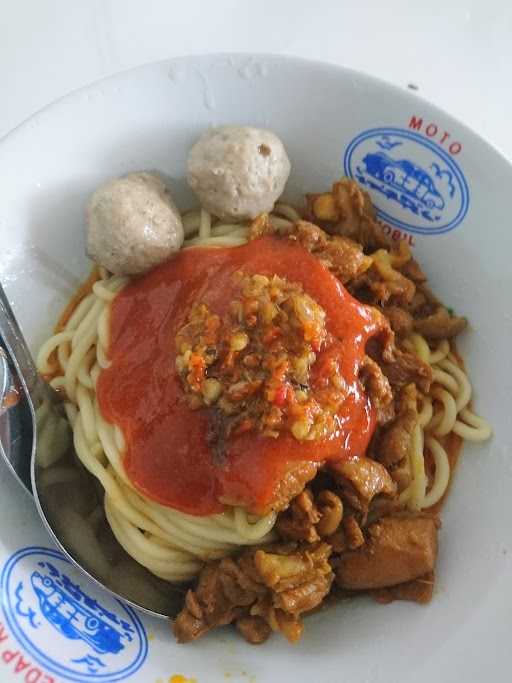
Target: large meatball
{"points": [[238, 172], [132, 224]]}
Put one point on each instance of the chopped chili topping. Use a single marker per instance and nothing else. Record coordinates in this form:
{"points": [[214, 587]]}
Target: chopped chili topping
{"points": [[254, 364]]}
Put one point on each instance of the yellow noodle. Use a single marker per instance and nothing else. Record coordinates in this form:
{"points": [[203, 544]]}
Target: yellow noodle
{"points": [[472, 427], [280, 223], [440, 353], [43, 357], [439, 376], [464, 387], [222, 241], [425, 415], [205, 225], [63, 353], [442, 473], [451, 392], [287, 211], [228, 228], [191, 221], [448, 414], [419, 478], [84, 369]]}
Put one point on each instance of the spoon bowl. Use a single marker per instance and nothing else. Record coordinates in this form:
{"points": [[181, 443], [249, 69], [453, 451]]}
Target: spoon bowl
{"points": [[36, 442]]}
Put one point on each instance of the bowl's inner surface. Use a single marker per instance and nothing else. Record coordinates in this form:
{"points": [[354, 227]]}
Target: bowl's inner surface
{"points": [[147, 119]]}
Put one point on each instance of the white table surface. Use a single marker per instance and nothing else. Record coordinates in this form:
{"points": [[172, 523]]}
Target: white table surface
{"points": [[458, 53]]}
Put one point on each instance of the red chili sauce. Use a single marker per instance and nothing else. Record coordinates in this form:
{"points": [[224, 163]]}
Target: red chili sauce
{"points": [[167, 456]]}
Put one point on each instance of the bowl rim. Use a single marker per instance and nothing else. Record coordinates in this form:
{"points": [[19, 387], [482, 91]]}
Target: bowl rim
{"points": [[283, 58], [10, 141]]}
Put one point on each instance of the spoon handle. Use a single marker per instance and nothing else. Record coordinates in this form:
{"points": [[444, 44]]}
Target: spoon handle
{"points": [[16, 346], [16, 422], [17, 442], [4, 376]]}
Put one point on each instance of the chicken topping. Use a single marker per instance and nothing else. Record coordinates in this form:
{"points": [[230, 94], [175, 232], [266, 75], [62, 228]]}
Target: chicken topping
{"points": [[262, 590]]}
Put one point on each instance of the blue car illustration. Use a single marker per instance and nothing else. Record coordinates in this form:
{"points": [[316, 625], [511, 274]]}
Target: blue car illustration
{"points": [[412, 183], [73, 620]]}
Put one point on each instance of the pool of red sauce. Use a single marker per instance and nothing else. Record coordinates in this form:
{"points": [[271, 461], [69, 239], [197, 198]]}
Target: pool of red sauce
{"points": [[167, 453]]}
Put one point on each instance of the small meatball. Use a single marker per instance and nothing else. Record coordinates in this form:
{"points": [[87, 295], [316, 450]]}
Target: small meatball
{"points": [[132, 224], [238, 172]]}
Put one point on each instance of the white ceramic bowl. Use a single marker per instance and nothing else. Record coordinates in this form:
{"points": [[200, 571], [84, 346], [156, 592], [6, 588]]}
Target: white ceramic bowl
{"points": [[457, 216]]}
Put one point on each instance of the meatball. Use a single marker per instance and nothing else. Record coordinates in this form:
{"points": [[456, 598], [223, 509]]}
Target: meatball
{"points": [[238, 172], [132, 224]]}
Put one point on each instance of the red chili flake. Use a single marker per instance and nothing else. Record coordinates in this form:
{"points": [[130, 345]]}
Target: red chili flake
{"points": [[316, 344], [212, 328], [245, 426], [280, 395], [272, 335], [197, 367]]}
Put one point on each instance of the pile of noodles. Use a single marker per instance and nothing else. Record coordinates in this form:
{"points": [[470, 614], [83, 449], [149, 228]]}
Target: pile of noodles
{"points": [[174, 545]]}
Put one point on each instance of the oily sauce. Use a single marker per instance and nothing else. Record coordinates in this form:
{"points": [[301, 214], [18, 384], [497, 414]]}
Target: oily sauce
{"points": [[169, 455]]}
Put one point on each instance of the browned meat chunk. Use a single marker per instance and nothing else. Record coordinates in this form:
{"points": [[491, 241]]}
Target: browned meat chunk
{"points": [[255, 630], [413, 271], [377, 387], [372, 288], [389, 283], [360, 480], [399, 290], [277, 585], [297, 523], [420, 591], [398, 549], [347, 210], [292, 483], [401, 473], [261, 226], [342, 256], [440, 325], [353, 204], [394, 439], [419, 306], [309, 519], [331, 513], [400, 320], [402, 368], [354, 537]]}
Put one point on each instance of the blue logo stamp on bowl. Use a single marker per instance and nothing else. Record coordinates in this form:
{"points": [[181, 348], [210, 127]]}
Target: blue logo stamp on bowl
{"points": [[414, 184], [72, 628]]}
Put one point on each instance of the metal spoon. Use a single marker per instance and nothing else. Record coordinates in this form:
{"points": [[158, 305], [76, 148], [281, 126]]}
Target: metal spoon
{"points": [[36, 442]]}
